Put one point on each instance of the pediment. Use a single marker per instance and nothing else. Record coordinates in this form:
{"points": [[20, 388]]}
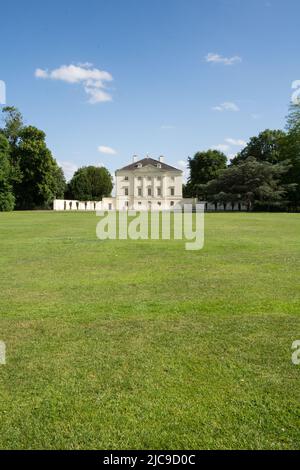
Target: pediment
{"points": [[148, 169]]}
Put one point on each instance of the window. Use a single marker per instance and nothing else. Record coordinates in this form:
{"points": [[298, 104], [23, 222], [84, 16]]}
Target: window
{"points": [[139, 191], [139, 203], [159, 178], [126, 178], [172, 203], [159, 203], [149, 192], [159, 191], [126, 191], [139, 178], [149, 178], [172, 191]]}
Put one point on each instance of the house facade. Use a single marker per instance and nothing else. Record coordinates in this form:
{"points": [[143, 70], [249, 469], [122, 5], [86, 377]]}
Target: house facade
{"points": [[145, 184], [148, 184]]}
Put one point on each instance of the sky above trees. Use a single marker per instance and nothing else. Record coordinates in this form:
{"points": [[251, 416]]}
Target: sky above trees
{"points": [[106, 80]]}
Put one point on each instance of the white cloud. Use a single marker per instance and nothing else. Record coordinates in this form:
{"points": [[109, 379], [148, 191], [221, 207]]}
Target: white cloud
{"points": [[218, 59], [97, 96], [296, 84], [92, 79], [107, 150], [69, 169], [226, 147], [236, 142], [40, 73], [227, 106], [221, 147]]}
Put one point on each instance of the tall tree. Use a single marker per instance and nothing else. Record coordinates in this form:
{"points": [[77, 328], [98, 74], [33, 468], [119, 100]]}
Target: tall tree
{"points": [[266, 147], [293, 119], [90, 183], [252, 183], [42, 180], [204, 167], [7, 199], [13, 124], [291, 152]]}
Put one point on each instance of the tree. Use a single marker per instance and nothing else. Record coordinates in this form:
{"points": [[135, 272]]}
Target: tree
{"points": [[13, 125], [293, 119], [291, 152], [7, 200], [58, 182], [13, 121], [90, 184], [252, 183], [266, 147], [204, 167], [42, 179], [37, 179]]}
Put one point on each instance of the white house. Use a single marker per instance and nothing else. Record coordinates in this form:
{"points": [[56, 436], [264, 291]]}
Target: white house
{"points": [[143, 185]]}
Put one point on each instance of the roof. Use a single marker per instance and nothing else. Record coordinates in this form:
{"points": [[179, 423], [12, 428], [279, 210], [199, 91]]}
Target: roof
{"points": [[149, 161]]}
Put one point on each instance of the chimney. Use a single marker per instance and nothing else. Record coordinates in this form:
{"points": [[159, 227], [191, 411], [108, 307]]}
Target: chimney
{"points": [[135, 158], [161, 159]]}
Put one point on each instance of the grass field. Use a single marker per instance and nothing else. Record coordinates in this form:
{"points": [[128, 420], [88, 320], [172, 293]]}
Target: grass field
{"points": [[124, 344]]}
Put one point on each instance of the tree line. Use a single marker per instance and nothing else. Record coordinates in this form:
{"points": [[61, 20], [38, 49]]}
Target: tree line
{"points": [[265, 175], [30, 177]]}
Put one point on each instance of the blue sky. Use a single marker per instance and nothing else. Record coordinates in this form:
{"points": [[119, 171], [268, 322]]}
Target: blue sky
{"points": [[169, 77]]}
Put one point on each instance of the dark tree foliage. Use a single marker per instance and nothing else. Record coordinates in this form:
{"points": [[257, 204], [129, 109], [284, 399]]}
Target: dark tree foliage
{"points": [[266, 147], [37, 179], [13, 124], [42, 179], [90, 183], [7, 199], [204, 167], [252, 183], [293, 119], [291, 153]]}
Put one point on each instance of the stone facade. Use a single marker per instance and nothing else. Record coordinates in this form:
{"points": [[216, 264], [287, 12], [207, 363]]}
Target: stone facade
{"points": [[143, 185], [148, 184]]}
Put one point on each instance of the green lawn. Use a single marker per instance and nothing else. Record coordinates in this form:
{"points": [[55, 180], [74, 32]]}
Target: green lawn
{"points": [[124, 344]]}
